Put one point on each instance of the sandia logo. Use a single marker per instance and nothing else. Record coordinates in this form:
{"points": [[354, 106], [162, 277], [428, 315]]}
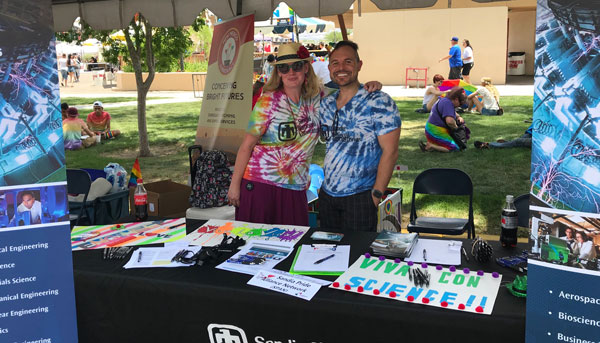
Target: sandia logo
{"points": [[223, 333], [228, 50]]}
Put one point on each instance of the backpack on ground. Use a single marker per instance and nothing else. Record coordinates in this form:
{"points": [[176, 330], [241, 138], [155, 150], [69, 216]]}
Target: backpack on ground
{"points": [[211, 178]]}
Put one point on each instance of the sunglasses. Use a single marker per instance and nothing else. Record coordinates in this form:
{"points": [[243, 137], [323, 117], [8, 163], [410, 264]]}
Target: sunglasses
{"points": [[285, 68]]}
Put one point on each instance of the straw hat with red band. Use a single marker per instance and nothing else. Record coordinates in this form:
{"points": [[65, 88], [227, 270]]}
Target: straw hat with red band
{"points": [[292, 52]]}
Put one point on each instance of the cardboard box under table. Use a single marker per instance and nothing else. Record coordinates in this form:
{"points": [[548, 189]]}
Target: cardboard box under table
{"points": [[165, 198]]}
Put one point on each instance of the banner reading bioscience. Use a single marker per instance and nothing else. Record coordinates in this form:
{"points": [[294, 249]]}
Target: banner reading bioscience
{"points": [[563, 301], [36, 278], [227, 104]]}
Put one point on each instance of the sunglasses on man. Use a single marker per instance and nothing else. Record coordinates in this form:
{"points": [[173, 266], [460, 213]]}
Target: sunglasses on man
{"points": [[285, 68]]}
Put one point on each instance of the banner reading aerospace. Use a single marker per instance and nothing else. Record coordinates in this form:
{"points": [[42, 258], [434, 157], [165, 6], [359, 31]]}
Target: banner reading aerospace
{"points": [[227, 104], [37, 302], [562, 300]]}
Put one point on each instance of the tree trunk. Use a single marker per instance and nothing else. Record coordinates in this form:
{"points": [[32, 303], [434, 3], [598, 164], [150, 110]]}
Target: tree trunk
{"points": [[142, 86]]}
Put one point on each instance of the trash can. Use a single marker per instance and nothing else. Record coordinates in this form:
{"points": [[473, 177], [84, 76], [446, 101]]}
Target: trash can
{"points": [[516, 63]]}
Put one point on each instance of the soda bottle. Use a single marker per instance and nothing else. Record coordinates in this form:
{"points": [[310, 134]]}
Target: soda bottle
{"points": [[140, 199], [508, 233]]}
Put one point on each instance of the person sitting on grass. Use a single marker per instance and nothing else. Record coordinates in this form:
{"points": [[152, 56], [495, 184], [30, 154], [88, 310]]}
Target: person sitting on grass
{"points": [[432, 94], [442, 119], [522, 142], [73, 127], [63, 110], [99, 122], [490, 102]]}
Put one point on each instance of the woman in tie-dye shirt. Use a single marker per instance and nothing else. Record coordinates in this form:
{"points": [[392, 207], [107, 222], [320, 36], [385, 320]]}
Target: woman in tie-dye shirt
{"points": [[72, 129], [271, 169]]}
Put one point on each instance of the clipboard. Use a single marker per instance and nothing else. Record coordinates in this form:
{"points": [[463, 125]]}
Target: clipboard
{"points": [[320, 253]]}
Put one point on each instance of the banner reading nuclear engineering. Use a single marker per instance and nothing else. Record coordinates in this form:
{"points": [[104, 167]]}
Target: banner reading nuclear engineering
{"points": [[37, 302], [227, 101], [563, 272]]}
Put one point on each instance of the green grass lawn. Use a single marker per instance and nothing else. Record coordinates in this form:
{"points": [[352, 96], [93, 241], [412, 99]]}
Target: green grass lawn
{"points": [[495, 173]]}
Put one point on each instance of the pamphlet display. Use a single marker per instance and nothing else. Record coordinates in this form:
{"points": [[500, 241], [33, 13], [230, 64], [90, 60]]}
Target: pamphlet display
{"points": [[211, 233], [257, 255], [37, 302], [128, 234], [449, 288]]}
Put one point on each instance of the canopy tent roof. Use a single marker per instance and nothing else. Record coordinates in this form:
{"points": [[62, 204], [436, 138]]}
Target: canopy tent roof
{"points": [[116, 14]]}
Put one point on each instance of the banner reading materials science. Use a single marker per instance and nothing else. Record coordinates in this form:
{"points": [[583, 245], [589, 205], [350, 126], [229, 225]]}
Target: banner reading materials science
{"points": [[36, 278], [227, 101], [563, 301]]}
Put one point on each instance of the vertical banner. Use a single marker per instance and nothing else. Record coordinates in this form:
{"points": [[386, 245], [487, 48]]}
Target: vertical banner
{"points": [[227, 101], [563, 304], [37, 302]]}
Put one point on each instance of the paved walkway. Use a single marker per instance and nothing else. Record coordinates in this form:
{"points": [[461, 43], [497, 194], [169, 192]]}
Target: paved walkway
{"points": [[86, 88]]}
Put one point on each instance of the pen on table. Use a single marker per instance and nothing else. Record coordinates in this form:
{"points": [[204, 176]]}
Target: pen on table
{"points": [[465, 253], [176, 225], [104, 253], [324, 259], [140, 257], [424, 255]]}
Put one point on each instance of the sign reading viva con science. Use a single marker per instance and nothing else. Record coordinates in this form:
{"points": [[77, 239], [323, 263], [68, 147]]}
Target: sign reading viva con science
{"points": [[227, 101]]}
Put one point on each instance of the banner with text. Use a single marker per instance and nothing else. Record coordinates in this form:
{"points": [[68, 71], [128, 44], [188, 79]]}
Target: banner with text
{"points": [[565, 175], [36, 275], [227, 101]]}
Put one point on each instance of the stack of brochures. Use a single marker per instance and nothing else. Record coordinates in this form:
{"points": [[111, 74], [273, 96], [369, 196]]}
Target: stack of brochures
{"points": [[394, 244]]}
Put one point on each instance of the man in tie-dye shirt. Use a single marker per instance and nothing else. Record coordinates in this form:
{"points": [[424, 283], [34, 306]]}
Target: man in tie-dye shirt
{"points": [[362, 131]]}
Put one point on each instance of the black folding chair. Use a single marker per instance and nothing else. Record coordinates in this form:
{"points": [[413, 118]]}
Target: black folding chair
{"points": [[78, 182], [442, 181], [522, 205]]}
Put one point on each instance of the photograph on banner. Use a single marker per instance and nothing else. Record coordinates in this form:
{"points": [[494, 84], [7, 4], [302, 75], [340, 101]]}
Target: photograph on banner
{"points": [[211, 233], [127, 234], [565, 159], [31, 138], [34, 204], [565, 238], [226, 105]]}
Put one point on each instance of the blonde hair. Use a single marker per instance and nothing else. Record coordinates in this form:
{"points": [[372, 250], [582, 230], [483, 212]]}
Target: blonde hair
{"points": [[310, 88], [490, 87]]}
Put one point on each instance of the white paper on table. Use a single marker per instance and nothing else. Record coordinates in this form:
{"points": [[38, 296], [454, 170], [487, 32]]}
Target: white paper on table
{"points": [[257, 255], [285, 283], [157, 257], [437, 252], [310, 254]]}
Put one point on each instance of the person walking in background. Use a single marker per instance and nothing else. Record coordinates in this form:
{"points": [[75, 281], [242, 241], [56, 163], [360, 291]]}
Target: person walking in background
{"points": [[454, 60], [362, 131], [76, 66], [63, 67], [71, 69], [467, 59], [268, 66], [490, 103]]}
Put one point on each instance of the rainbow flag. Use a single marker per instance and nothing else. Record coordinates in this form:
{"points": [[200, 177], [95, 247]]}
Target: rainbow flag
{"points": [[448, 84], [136, 173]]}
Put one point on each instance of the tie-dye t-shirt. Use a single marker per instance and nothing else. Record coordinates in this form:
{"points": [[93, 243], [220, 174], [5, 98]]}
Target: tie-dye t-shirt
{"points": [[98, 123], [72, 129], [353, 151], [288, 135]]}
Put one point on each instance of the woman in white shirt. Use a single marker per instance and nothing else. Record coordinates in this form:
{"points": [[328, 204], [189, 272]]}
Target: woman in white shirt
{"points": [[467, 57], [490, 98], [583, 247]]}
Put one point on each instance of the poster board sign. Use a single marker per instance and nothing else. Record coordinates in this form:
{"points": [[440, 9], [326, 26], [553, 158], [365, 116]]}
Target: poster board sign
{"points": [[36, 275], [211, 233], [127, 234], [449, 288], [565, 176], [227, 101]]}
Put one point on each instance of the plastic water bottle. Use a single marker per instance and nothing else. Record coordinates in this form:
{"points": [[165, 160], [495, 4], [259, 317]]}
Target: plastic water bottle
{"points": [[140, 199], [508, 233]]}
